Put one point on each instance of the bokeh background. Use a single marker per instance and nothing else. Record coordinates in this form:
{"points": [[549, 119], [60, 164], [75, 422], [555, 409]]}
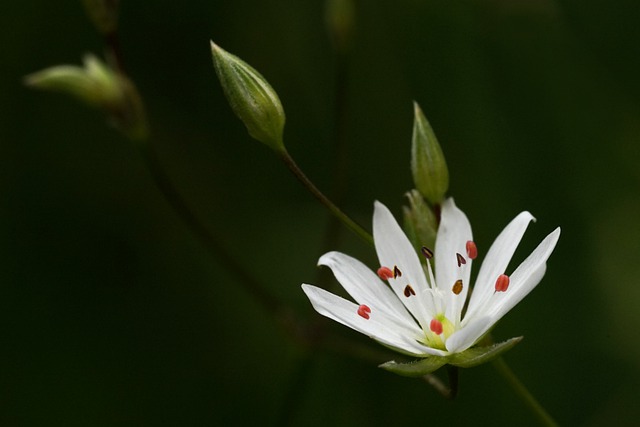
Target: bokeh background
{"points": [[113, 313]]}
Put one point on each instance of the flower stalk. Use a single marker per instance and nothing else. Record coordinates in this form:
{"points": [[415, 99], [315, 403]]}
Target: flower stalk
{"points": [[335, 210], [543, 416]]}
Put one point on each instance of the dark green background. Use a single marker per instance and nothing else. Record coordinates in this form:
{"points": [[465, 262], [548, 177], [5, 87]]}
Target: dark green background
{"points": [[111, 311]]}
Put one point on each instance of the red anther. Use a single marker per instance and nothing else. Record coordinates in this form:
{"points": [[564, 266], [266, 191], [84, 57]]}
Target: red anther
{"points": [[472, 250], [460, 259], [408, 291], [428, 253], [457, 287], [396, 272], [502, 283], [363, 311], [385, 273], [436, 326]]}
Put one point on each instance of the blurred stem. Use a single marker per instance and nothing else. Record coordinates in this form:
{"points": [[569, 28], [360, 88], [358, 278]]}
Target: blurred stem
{"points": [[210, 241], [351, 224], [114, 53], [453, 373], [440, 387], [181, 207], [524, 394]]}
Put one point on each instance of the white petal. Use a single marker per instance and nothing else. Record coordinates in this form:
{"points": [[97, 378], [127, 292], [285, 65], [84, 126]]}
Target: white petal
{"points": [[453, 234], [496, 261], [468, 335], [379, 326], [364, 285], [394, 249], [525, 278]]}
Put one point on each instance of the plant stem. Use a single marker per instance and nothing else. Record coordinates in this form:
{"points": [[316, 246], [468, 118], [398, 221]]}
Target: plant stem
{"points": [[355, 227], [543, 416], [209, 240]]}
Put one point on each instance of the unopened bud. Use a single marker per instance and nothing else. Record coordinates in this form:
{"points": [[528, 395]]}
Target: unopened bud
{"points": [[251, 97], [419, 221], [100, 86], [95, 83], [103, 14], [429, 168], [340, 21]]}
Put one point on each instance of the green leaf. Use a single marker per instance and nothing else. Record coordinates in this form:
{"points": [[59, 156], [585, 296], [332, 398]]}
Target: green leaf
{"points": [[416, 368], [479, 355]]}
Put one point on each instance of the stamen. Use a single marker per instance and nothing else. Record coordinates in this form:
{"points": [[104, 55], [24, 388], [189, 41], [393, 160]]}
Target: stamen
{"points": [[385, 273], [457, 287], [396, 272], [436, 326], [363, 311], [460, 259], [472, 249], [428, 253], [408, 291], [502, 283]]}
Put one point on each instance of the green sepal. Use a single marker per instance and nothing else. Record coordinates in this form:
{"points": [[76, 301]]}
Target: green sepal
{"points": [[251, 98], [478, 355], [428, 166], [417, 368]]}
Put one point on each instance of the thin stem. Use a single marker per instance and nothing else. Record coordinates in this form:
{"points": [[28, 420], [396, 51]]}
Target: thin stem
{"points": [[355, 227], [453, 372], [543, 416], [438, 385]]}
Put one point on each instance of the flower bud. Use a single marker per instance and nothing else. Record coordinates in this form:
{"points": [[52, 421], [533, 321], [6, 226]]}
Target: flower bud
{"points": [[429, 168], [251, 97], [419, 221], [103, 14], [95, 83], [100, 86], [340, 21]]}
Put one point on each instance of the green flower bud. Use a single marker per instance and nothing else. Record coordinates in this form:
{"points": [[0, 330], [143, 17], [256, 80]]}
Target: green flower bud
{"points": [[95, 84], [340, 18], [251, 97], [100, 86], [429, 168], [419, 221], [103, 14]]}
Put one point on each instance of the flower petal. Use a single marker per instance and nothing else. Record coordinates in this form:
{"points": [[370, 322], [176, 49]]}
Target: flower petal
{"points": [[496, 261], [364, 286], [394, 249], [525, 277], [523, 280], [468, 335], [453, 234], [379, 326]]}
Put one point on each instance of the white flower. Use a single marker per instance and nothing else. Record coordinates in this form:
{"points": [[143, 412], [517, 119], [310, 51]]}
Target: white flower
{"points": [[418, 313]]}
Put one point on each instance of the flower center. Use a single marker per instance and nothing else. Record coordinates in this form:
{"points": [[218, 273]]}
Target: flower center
{"points": [[440, 328]]}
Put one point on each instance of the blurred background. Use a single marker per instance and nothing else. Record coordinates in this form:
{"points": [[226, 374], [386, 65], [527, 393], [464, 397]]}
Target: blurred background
{"points": [[113, 313]]}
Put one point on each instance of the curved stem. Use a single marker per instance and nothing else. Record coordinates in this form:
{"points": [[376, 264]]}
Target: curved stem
{"points": [[504, 370], [355, 227]]}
